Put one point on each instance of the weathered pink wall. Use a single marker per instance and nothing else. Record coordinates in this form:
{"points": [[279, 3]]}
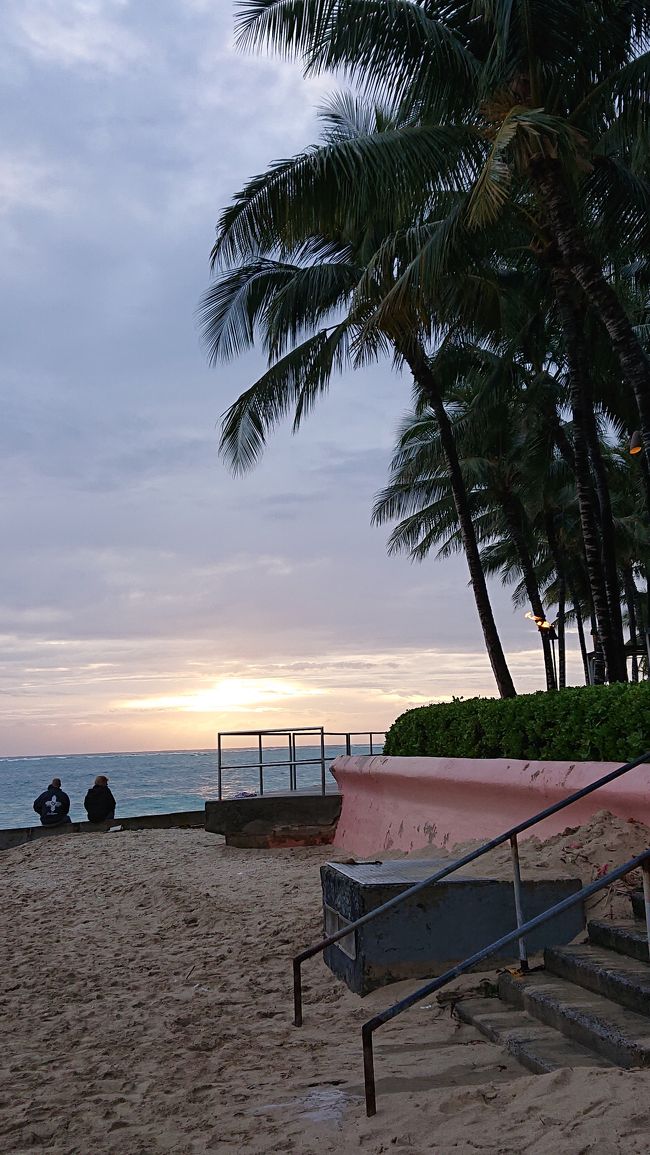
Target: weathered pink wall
{"points": [[404, 803]]}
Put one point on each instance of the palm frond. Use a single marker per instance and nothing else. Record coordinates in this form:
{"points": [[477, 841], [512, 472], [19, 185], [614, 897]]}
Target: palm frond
{"points": [[295, 382]]}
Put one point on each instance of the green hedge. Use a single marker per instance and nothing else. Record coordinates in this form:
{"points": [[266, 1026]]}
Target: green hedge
{"points": [[581, 723]]}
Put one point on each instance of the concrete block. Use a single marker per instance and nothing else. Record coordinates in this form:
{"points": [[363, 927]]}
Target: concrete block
{"points": [[275, 820], [437, 928]]}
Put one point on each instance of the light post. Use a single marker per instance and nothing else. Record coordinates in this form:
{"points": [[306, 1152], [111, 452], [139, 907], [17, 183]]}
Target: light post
{"points": [[547, 628]]}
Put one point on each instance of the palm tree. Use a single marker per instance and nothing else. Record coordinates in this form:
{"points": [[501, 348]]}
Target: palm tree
{"points": [[546, 112], [312, 318], [493, 447], [457, 73], [458, 160]]}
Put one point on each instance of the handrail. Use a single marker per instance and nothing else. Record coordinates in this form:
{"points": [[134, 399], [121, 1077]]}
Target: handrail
{"points": [[293, 761], [642, 860], [508, 836]]}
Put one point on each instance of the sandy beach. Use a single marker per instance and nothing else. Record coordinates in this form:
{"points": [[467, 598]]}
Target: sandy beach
{"points": [[146, 1006]]}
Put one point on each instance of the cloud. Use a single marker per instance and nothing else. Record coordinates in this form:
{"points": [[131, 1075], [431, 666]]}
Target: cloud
{"points": [[229, 695], [29, 182], [135, 567], [75, 33]]}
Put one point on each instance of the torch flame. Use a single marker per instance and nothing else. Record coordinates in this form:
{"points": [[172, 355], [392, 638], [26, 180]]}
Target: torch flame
{"points": [[541, 623]]}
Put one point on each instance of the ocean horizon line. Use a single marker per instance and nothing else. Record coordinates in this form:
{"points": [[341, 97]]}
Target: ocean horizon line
{"points": [[170, 750]]}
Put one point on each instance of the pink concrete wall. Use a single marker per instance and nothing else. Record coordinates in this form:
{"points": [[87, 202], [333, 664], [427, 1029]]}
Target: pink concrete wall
{"points": [[404, 803]]}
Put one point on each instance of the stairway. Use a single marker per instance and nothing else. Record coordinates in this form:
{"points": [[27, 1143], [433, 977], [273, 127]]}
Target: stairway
{"points": [[588, 1006]]}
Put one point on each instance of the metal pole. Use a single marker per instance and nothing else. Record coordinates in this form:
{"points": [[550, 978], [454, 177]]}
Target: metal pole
{"points": [[646, 897], [297, 994], [348, 745], [322, 760], [368, 1070], [219, 765], [261, 765], [514, 854]]}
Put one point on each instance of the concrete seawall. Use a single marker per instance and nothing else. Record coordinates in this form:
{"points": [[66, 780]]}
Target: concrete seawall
{"points": [[276, 820], [23, 834], [405, 803]]}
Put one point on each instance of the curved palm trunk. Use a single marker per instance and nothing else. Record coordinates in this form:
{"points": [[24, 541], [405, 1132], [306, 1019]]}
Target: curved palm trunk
{"points": [[425, 379], [563, 286], [604, 300], [516, 519]]}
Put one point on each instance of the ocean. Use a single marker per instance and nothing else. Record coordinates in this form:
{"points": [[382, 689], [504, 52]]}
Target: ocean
{"points": [[153, 783]]}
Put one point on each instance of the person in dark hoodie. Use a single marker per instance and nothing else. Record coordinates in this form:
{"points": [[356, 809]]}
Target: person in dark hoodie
{"points": [[99, 802], [52, 805]]}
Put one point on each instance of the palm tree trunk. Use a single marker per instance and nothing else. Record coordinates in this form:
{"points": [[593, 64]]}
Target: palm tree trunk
{"points": [[565, 228], [630, 597], [560, 571], [561, 634], [599, 667], [517, 525], [608, 534], [564, 292], [581, 637], [416, 359]]}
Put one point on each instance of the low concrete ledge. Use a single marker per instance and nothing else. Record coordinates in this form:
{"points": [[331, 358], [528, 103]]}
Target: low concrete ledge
{"points": [[406, 803], [275, 820], [20, 835]]}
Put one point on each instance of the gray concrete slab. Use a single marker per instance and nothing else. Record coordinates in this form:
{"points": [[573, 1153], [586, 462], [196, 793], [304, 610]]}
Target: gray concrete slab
{"points": [[605, 972], [298, 818], [626, 936], [539, 1048], [437, 928], [619, 1034]]}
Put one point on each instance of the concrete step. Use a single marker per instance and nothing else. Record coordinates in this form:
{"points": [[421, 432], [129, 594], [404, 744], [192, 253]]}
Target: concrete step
{"points": [[625, 937], [615, 976], [638, 904], [538, 1048], [619, 1034]]}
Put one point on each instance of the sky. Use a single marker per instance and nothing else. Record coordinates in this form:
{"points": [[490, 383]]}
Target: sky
{"points": [[148, 598]]}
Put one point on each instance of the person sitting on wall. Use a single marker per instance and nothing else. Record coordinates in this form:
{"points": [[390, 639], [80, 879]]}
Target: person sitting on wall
{"points": [[53, 805], [99, 802]]}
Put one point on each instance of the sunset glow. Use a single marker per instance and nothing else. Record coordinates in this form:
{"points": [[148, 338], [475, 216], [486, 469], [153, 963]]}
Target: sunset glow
{"points": [[229, 694]]}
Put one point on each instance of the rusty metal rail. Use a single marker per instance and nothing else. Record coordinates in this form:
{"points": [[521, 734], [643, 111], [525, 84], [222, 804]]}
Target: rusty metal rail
{"points": [[508, 836]]}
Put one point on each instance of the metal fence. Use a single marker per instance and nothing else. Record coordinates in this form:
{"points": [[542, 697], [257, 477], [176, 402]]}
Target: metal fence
{"points": [[297, 756]]}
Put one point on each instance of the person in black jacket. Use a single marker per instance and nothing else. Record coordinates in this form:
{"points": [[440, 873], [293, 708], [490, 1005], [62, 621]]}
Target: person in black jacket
{"points": [[52, 805], [99, 802]]}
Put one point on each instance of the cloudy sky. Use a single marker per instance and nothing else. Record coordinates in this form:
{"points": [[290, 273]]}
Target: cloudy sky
{"points": [[147, 598]]}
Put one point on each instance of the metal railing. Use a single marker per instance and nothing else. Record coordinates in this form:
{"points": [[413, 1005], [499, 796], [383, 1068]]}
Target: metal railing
{"points": [[293, 761], [508, 836], [368, 1029]]}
